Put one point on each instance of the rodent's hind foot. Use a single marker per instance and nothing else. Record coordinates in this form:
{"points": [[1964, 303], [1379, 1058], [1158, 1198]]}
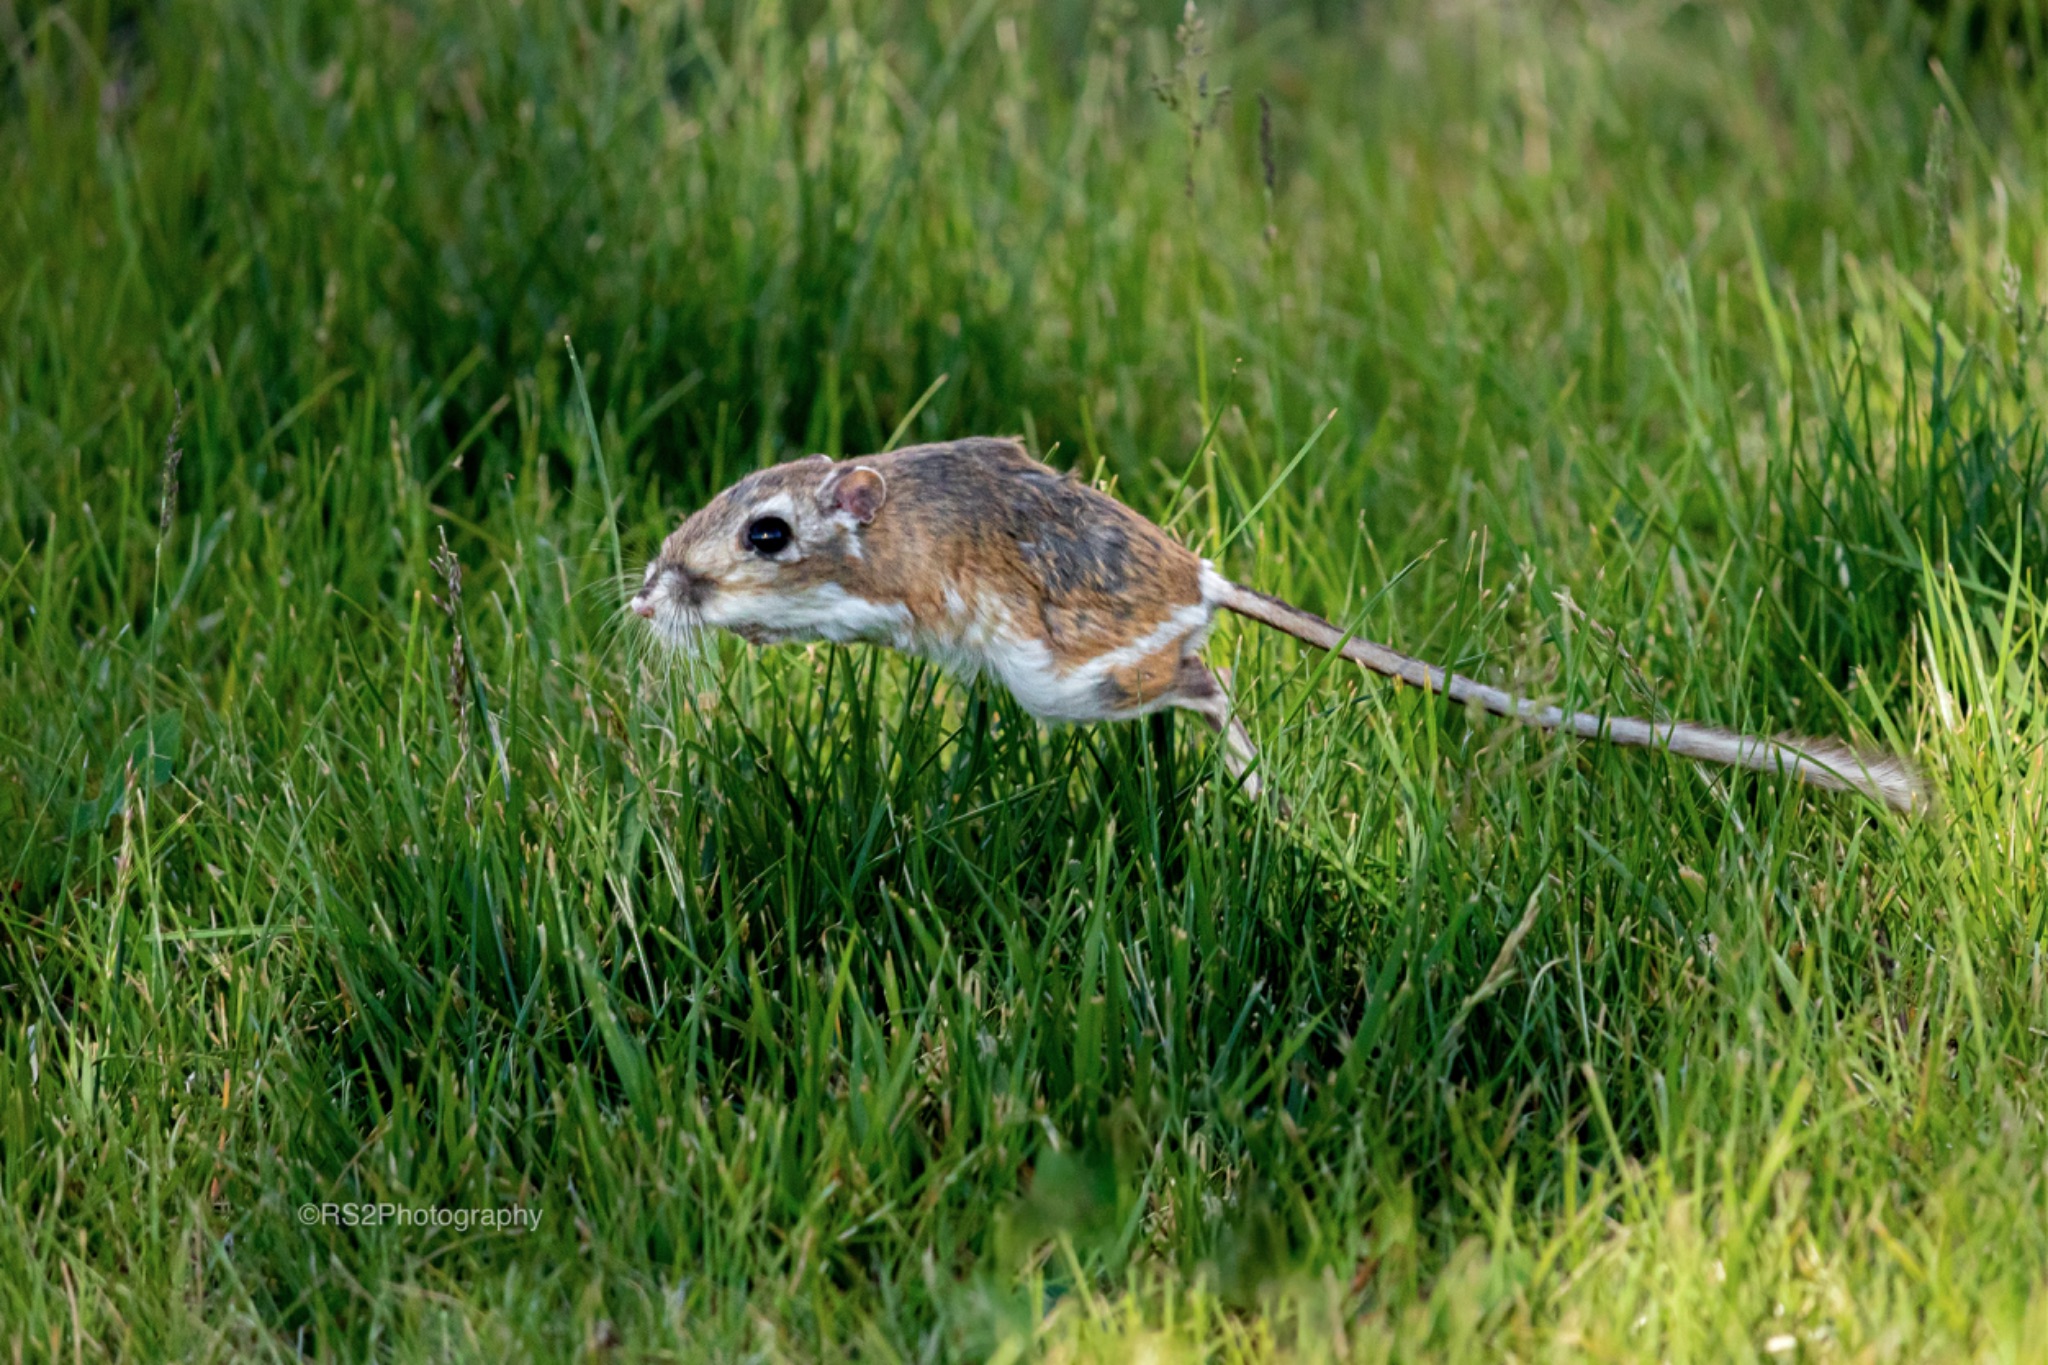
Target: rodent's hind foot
{"points": [[1201, 692]]}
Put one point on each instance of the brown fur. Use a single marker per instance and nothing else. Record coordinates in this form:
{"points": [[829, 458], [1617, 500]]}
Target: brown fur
{"points": [[1082, 572], [991, 518]]}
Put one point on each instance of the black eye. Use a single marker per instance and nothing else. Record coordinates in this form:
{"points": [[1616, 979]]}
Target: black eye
{"points": [[768, 535]]}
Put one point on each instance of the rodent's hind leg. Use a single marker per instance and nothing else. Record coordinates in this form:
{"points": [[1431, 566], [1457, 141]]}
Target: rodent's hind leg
{"points": [[1197, 689]]}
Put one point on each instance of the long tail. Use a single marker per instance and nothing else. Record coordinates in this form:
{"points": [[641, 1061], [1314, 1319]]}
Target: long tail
{"points": [[1821, 762]]}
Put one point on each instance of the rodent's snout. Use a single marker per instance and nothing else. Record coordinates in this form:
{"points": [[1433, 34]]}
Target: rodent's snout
{"points": [[667, 580]]}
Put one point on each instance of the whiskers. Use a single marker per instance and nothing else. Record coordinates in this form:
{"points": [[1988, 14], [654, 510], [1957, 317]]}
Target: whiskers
{"points": [[674, 649], [674, 646], [616, 588]]}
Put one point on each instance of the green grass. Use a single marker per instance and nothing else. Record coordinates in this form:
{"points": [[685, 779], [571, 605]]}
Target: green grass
{"points": [[820, 1006]]}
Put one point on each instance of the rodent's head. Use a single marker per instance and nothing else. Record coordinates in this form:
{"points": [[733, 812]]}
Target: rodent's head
{"points": [[761, 557]]}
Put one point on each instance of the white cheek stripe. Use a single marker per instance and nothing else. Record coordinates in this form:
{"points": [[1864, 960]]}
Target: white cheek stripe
{"points": [[824, 611]]}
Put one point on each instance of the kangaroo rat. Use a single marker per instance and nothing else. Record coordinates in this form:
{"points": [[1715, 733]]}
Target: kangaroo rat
{"points": [[975, 555]]}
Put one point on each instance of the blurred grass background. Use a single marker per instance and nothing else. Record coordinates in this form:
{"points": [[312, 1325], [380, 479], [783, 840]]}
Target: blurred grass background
{"points": [[1677, 356]]}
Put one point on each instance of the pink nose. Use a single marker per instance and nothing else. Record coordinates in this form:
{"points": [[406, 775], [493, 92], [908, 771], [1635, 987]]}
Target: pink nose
{"points": [[643, 607]]}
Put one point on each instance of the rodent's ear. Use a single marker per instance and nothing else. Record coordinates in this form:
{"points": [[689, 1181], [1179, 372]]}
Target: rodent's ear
{"points": [[859, 492]]}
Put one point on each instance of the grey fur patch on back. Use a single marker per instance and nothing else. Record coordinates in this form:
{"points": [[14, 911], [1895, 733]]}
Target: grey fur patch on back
{"points": [[1073, 553], [1075, 540]]}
